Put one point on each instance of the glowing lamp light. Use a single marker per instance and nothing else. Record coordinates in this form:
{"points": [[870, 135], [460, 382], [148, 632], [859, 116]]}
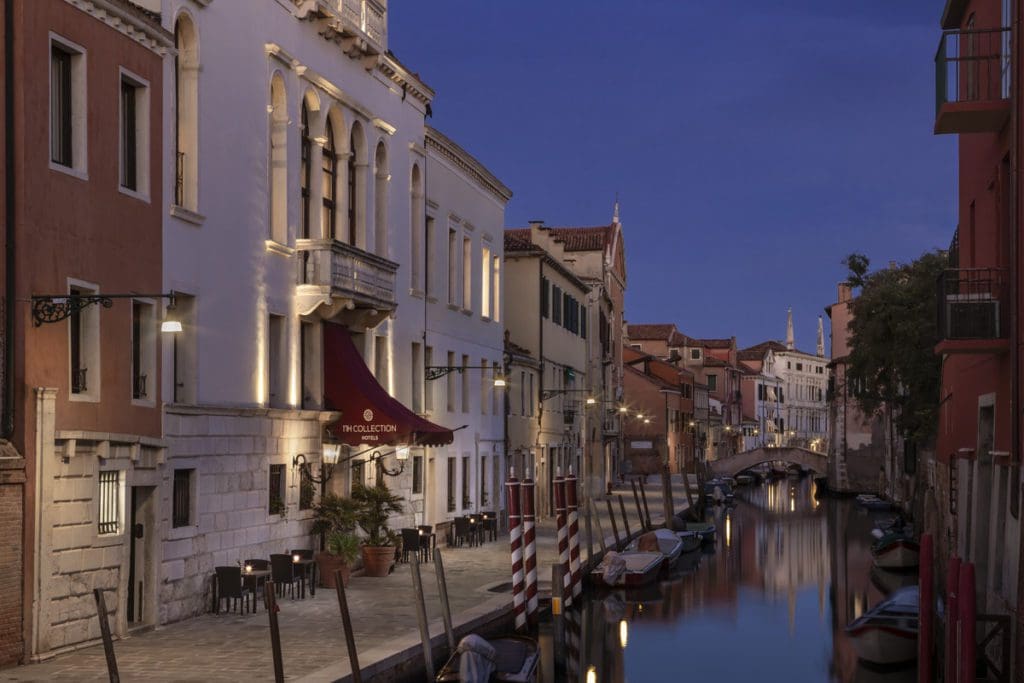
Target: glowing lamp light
{"points": [[296, 558], [623, 634], [248, 569], [499, 381], [331, 451], [591, 675], [170, 326], [591, 401], [623, 409], [402, 453], [647, 421]]}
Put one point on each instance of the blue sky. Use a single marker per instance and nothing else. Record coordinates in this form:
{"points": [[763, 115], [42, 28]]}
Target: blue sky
{"points": [[752, 144]]}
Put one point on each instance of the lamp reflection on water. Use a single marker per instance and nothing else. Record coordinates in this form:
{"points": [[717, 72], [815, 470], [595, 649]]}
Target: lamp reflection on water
{"points": [[623, 634], [591, 675], [728, 530]]}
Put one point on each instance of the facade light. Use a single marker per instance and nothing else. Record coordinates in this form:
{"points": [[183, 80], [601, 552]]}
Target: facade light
{"points": [[170, 326]]}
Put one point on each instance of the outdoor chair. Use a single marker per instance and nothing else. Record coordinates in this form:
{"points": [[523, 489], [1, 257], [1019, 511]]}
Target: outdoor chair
{"points": [[410, 543], [229, 587], [304, 572], [282, 573], [428, 541], [255, 583], [461, 534], [490, 525]]}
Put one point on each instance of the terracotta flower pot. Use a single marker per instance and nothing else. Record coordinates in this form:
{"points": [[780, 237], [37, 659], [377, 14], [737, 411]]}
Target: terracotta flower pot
{"points": [[327, 564], [377, 561]]}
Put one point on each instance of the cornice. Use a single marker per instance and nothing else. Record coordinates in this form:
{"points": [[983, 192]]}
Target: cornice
{"points": [[465, 162], [399, 75], [133, 24]]}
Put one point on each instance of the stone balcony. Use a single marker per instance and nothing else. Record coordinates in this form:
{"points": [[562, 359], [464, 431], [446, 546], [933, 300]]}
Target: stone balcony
{"points": [[359, 26], [338, 280]]}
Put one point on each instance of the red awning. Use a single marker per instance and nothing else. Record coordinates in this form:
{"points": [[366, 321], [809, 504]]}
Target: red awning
{"points": [[369, 415]]}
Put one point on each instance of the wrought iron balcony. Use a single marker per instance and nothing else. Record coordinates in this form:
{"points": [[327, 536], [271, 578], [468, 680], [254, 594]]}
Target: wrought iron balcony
{"points": [[337, 277], [611, 424], [359, 26], [972, 81], [973, 309]]}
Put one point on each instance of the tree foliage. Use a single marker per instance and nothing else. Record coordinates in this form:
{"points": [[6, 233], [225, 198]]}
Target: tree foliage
{"points": [[893, 334]]}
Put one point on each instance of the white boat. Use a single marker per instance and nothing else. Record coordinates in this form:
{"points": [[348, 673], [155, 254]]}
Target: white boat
{"points": [[896, 551], [887, 633], [627, 569], [665, 541]]}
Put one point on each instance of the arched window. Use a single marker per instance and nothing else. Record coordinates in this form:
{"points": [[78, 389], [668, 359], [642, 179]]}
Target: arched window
{"points": [[278, 176], [304, 172], [357, 163], [329, 183], [416, 229], [380, 200], [186, 78], [351, 236]]}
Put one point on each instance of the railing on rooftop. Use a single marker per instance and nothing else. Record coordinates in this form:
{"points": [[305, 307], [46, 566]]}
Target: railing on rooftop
{"points": [[973, 303], [972, 80]]}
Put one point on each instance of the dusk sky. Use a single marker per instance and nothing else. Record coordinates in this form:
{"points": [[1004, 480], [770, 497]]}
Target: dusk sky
{"points": [[752, 144]]}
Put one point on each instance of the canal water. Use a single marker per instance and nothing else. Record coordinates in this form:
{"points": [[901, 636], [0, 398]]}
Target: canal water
{"points": [[769, 602]]}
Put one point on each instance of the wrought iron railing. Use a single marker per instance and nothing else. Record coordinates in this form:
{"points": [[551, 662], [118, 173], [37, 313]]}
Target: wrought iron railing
{"points": [[368, 16], [972, 65], [78, 381], [972, 303], [348, 270], [139, 386]]}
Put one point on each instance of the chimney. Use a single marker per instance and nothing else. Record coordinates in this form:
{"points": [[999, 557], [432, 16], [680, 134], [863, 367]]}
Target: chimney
{"points": [[790, 342], [844, 292], [821, 338]]}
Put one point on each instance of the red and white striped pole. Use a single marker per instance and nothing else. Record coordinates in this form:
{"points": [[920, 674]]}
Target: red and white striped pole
{"points": [[561, 523], [530, 548], [515, 533], [572, 508]]}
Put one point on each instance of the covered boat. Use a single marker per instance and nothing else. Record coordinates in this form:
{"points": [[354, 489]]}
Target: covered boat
{"points": [[477, 660], [896, 551], [664, 541], [887, 633], [627, 569], [873, 502], [691, 540], [705, 530]]}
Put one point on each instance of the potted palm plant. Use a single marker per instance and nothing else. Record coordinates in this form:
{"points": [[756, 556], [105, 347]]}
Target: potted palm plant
{"points": [[335, 518], [376, 504]]}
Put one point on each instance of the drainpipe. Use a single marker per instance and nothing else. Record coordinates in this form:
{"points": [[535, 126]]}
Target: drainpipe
{"points": [[7, 428]]}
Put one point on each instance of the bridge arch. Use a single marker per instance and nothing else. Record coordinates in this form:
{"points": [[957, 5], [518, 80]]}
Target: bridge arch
{"points": [[732, 465]]}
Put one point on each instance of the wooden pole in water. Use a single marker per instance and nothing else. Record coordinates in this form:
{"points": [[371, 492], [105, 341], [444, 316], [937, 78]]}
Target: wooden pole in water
{"points": [[421, 616], [643, 496], [442, 590], [926, 589], [597, 521], [557, 612], [615, 527], [346, 622], [968, 617], [108, 642], [666, 495], [625, 520], [270, 601], [952, 619], [639, 512]]}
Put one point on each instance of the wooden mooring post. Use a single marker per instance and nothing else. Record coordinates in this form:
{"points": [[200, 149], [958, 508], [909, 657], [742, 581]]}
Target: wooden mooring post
{"points": [[346, 622], [108, 641], [639, 512], [442, 590], [643, 495], [270, 601], [625, 520], [600, 529], [421, 617], [615, 527]]}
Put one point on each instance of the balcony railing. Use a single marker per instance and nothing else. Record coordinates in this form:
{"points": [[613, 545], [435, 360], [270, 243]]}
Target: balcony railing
{"points": [[973, 304], [365, 19], [366, 279], [972, 80], [610, 425]]}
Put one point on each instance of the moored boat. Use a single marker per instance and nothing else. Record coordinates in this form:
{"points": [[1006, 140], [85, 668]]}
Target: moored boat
{"points": [[627, 569], [512, 659], [664, 541], [705, 530], [744, 480], [873, 502], [896, 551], [691, 540], [887, 633]]}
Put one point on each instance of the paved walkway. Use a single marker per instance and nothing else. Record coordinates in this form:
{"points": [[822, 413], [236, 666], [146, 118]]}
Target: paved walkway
{"points": [[233, 647]]}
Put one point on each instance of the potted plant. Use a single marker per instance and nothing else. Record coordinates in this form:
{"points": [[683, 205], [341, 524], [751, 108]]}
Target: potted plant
{"points": [[335, 518], [376, 505]]}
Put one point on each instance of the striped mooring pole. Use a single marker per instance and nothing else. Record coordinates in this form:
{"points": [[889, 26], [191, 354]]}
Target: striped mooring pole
{"points": [[515, 533], [572, 507], [530, 547], [562, 524]]}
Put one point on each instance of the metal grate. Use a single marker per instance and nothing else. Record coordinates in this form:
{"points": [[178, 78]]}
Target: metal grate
{"points": [[182, 511], [110, 502]]}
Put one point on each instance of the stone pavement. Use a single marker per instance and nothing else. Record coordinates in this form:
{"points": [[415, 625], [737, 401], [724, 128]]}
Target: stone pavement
{"points": [[233, 647]]}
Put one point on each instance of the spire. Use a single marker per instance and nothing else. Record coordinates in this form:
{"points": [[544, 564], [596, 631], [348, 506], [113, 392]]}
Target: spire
{"points": [[615, 212], [821, 338], [789, 330]]}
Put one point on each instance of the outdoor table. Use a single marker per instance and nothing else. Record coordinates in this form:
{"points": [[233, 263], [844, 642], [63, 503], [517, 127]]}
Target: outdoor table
{"points": [[308, 574], [430, 539], [252, 578]]}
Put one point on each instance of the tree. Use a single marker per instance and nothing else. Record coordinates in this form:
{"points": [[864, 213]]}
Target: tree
{"points": [[893, 334]]}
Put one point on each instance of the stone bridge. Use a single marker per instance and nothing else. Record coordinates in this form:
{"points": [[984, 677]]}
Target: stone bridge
{"points": [[734, 464]]}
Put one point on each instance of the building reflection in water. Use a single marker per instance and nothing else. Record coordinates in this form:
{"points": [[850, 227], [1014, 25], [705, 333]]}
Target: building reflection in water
{"points": [[783, 558]]}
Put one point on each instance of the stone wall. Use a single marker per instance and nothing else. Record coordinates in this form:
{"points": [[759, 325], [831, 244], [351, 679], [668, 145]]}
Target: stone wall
{"points": [[12, 482], [231, 451]]}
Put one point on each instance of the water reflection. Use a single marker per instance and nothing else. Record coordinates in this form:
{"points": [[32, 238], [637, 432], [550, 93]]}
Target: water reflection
{"points": [[769, 602]]}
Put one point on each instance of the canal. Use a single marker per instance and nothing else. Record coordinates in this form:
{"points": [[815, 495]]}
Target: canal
{"points": [[769, 602]]}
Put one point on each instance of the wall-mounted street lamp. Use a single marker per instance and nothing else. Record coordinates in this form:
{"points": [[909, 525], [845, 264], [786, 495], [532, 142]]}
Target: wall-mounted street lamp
{"points": [[52, 308], [432, 372], [545, 394], [328, 459]]}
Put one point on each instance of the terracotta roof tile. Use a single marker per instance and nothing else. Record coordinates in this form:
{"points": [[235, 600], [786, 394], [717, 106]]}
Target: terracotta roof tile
{"points": [[716, 343], [583, 239], [518, 240], [757, 351], [658, 331]]}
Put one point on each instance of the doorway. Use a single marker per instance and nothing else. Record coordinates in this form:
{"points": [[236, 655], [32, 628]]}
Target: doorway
{"points": [[141, 533]]}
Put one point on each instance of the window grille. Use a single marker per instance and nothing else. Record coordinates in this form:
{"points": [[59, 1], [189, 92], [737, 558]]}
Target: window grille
{"points": [[182, 511], [110, 502], [276, 489]]}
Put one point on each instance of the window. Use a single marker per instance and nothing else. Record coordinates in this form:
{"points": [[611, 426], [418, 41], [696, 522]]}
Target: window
{"points": [[583, 322], [380, 360], [800, 367], [451, 382], [486, 384], [496, 289], [181, 514], [276, 363], [467, 273], [451, 485], [453, 266], [110, 502], [382, 180], [522, 393], [495, 392], [416, 230], [417, 474], [483, 480], [485, 282], [694, 354], [428, 285], [428, 391], [358, 473], [278, 176], [556, 304], [67, 105], [143, 350], [712, 382], [186, 76], [79, 372], [275, 489], [83, 345], [532, 396], [545, 296], [305, 171], [306, 490], [466, 500], [417, 378], [356, 186], [309, 364], [134, 134], [465, 383], [329, 183]]}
